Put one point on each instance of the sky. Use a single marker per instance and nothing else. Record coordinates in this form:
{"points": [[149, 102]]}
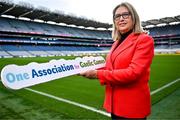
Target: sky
{"points": [[101, 10]]}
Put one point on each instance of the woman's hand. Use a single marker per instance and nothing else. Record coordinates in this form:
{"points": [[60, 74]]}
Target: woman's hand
{"points": [[91, 74]]}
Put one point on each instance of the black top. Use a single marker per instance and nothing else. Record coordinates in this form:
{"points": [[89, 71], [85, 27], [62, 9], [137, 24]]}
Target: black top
{"points": [[124, 36]]}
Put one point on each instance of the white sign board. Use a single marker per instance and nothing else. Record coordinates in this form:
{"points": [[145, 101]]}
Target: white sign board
{"points": [[17, 77]]}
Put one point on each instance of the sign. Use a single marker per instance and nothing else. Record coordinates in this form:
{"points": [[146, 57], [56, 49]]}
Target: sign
{"points": [[17, 77]]}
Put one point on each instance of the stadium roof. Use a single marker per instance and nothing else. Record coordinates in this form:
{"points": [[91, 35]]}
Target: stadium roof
{"points": [[165, 20], [26, 10]]}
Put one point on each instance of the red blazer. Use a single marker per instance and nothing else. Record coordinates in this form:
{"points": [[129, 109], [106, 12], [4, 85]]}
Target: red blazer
{"points": [[126, 76]]}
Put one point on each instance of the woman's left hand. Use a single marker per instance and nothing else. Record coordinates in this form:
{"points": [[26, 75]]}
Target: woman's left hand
{"points": [[91, 74]]}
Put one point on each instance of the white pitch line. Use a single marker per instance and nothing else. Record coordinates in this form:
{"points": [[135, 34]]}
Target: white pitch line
{"points": [[70, 102], [92, 108], [165, 86]]}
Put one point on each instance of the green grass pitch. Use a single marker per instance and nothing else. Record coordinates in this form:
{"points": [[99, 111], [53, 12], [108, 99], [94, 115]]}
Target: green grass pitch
{"points": [[23, 104]]}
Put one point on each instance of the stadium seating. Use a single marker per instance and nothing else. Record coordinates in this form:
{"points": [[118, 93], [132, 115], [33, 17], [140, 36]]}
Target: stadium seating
{"points": [[15, 25], [23, 38], [165, 30]]}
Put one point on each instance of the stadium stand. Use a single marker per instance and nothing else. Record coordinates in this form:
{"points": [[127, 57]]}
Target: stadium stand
{"points": [[29, 38]]}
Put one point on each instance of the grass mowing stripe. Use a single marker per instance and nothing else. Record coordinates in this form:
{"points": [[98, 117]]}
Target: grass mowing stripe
{"points": [[92, 108], [70, 102], [168, 108], [165, 86], [164, 66]]}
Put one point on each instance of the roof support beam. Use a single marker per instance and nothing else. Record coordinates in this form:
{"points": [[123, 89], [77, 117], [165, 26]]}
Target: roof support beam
{"points": [[42, 16], [9, 9], [26, 13]]}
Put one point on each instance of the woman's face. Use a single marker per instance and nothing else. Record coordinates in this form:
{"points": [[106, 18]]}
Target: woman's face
{"points": [[123, 20]]}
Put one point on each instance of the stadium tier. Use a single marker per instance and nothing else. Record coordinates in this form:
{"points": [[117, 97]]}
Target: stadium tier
{"points": [[26, 38], [169, 30], [20, 38], [22, 26]]}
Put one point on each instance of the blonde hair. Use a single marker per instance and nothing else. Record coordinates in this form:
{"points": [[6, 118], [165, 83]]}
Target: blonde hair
{"points": [[137, 28]]}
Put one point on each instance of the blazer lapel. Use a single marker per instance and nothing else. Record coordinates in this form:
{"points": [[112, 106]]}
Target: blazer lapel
{"points": [[109, 60], [114, 46], [123, 46]]}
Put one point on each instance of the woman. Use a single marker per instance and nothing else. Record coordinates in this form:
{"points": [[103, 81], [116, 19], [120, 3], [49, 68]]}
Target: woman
{"points": [[127, 70]]}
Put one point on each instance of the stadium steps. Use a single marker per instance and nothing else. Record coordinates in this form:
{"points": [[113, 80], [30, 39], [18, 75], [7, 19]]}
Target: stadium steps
{"points": [[35, 51], [20, 52], [26, 51], [44, 50], [3, 52], [8, 53]]}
